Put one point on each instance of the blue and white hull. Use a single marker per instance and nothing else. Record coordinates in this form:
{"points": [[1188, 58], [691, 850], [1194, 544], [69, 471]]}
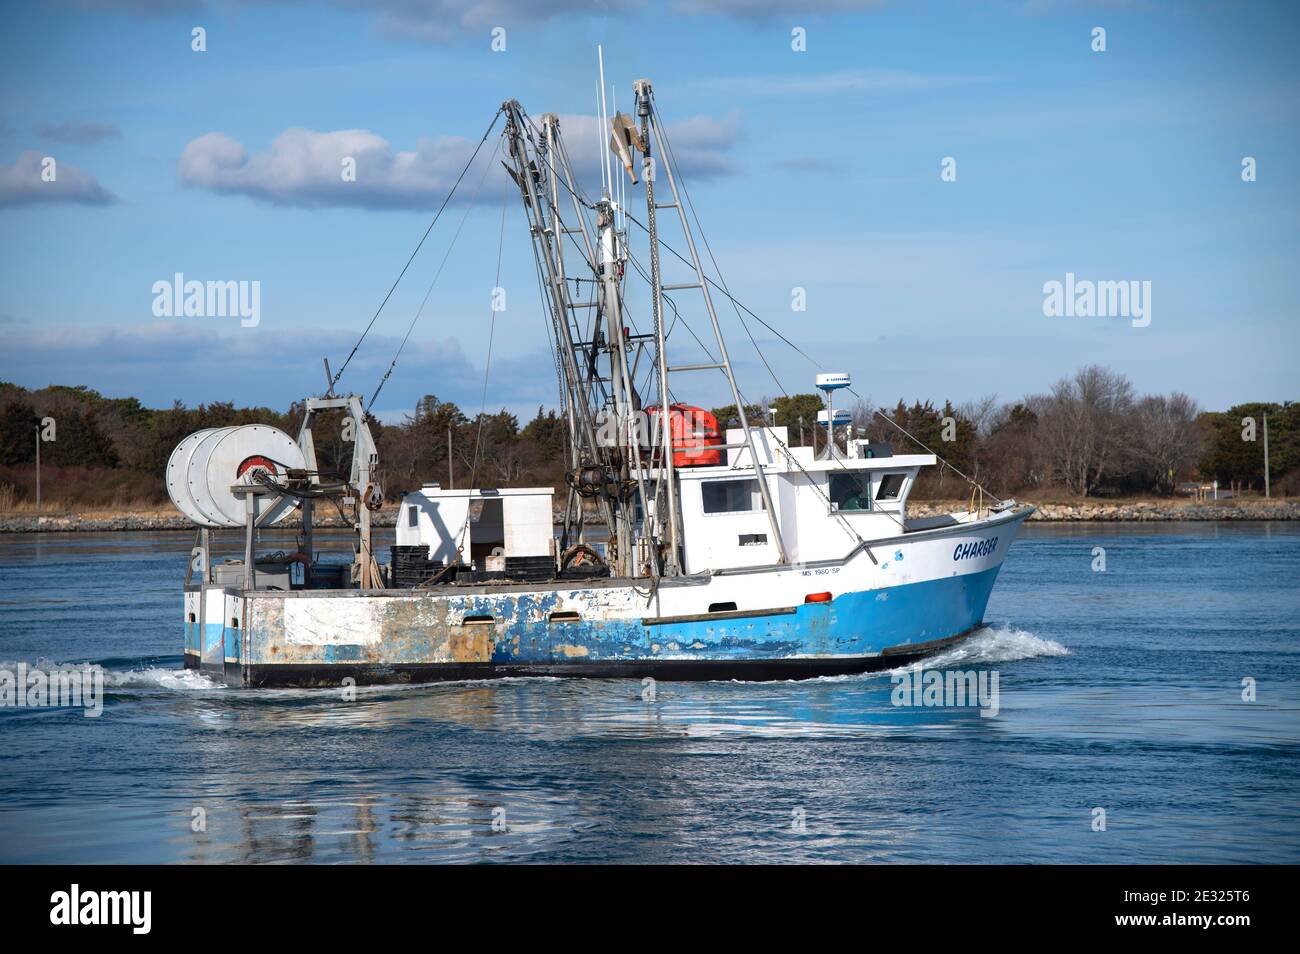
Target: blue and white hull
{"points": [[890, 601]]}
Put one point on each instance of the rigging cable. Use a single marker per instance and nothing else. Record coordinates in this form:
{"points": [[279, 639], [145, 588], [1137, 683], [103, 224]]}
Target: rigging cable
{"points": [[487, 371], [736, 306], [668, 151], [335, 379], [690, 204], [739, 306], [819, 366], [436, 275]]}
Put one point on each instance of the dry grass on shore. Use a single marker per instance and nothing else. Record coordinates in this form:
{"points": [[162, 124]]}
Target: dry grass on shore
{"points": [[59, 508]]}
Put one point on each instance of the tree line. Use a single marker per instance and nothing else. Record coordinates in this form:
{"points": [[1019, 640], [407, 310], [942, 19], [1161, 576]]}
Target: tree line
{"points": [[1090, 434]]}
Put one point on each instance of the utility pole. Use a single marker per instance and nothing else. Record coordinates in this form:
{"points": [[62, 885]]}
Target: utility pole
{"points": [[1266, 486], [451, 484]]}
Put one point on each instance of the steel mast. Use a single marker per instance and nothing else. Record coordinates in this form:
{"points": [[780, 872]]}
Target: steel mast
{"points": [[545, 236], [650, 125], [674, 561], [604, 447]]}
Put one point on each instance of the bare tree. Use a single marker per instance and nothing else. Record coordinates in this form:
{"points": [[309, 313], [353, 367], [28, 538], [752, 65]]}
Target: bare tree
{"points": [[982, 414], [1085, 426], [864, 416], [1165, 441]]}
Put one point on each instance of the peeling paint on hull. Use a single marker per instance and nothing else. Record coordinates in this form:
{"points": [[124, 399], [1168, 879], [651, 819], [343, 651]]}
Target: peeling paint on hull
{"points": [[419, 641], [668, 670]]}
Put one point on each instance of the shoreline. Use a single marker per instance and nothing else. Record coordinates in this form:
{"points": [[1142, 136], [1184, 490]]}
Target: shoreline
{"points": [[1141, 511], [1077, 512]]}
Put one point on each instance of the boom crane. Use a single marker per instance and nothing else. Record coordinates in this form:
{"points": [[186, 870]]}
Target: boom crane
{"points": [[603, 445]]}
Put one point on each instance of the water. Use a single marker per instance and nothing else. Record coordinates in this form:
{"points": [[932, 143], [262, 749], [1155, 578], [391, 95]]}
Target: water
{"points": [[1118, 690]]}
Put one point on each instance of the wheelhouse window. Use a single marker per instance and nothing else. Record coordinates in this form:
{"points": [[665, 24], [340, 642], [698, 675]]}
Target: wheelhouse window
{"points": [[850, 491], [412, 516], [730, 496], [891, 485]]}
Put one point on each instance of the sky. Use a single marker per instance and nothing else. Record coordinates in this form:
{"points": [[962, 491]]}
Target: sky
{"points": [[820, 169]]}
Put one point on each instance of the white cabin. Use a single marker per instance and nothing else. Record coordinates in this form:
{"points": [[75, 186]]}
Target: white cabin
{"points": [[509, 522], [824, 507], [820, 504]]}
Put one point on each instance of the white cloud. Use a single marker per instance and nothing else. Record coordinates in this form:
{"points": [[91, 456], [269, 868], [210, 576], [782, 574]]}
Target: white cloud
{"points": [[441, 20], [759, 9], [23, 183], [305, 168], [436, 21]]}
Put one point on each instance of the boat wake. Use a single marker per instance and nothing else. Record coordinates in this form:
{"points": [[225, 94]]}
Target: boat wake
{"points": [[991, 644], [117, 679], [177, 680]]}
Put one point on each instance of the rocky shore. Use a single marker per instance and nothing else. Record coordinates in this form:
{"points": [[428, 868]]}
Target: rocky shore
{"points": [[1143, 511], [98, 523], [1105, 511]]}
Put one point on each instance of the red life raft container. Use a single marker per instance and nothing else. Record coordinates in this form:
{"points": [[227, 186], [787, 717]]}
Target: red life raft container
{"points": [[692, 429]]}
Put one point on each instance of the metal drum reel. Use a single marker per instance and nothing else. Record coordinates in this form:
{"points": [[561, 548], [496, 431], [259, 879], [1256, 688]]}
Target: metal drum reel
{"points": [[205, 465]]}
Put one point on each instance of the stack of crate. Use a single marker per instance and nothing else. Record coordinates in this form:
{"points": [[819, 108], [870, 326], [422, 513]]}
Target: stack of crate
{"points": [[411, 566], [532, 569]]}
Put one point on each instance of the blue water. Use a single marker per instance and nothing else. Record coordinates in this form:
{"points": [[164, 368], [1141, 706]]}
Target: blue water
{"points": [[1119, 690]]}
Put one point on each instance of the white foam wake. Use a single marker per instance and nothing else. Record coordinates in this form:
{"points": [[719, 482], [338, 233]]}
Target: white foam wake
{"points": [[992, 644], [178, 680]]}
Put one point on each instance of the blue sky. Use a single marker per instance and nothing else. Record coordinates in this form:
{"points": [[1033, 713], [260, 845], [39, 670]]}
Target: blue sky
{"points": [[816, 169]]}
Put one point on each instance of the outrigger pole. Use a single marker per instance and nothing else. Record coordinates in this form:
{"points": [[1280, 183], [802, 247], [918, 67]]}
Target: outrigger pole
{"points": [[650, 124], [674, 561]]}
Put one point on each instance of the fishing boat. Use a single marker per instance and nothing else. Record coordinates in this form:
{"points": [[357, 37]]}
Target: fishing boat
{"points": [[683, 547]]}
